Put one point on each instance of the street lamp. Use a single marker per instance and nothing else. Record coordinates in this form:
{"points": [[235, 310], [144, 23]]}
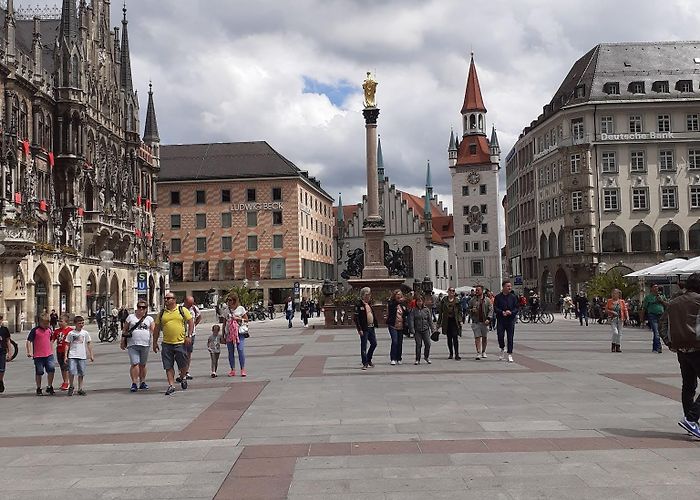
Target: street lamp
{"points": [[602, 268]]}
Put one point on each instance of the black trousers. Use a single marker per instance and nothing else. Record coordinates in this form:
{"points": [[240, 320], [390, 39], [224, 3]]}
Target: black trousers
{"points": [[452, 337], [690, 371]]}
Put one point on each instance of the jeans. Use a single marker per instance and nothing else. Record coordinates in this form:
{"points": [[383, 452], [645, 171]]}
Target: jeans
{"points": [[690, 371], [232, 347], [422, 339], [616, 325], [503, 328], [452, 334], [367, 335], [396, 344], [290, 315], [583, 315], [653, 320]]}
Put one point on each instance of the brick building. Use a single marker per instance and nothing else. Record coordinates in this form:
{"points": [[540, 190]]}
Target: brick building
{"points": [[240, 213]]}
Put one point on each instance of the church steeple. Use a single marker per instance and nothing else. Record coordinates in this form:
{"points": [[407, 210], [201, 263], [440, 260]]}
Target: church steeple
{"points": [[340, 216], [494, 148], [69, 21], [452, 149], [125, 67], [427, 210], [474, 147], [380, 161], [150, 133]]}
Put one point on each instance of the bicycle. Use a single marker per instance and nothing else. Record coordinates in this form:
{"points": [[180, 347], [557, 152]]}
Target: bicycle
{"points": [[14, 350], [109, 331]]}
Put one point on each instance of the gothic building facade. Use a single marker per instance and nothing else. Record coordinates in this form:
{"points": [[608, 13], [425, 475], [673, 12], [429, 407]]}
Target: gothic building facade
{"points": [[77, 178]]}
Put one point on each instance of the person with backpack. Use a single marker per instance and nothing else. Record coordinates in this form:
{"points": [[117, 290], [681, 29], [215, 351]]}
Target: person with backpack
{"points": [[136, 338], [176, 323]]}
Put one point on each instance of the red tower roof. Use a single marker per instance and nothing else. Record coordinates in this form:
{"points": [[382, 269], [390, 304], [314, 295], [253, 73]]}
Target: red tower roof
{"points": [[472, 97]]}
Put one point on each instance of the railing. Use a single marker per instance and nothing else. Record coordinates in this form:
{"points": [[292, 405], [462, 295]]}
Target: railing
{"points": [[19, 234], [108, 220]]}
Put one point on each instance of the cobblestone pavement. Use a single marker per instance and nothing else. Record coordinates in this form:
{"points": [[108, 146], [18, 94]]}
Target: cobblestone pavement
{"points": [[568, 419]]}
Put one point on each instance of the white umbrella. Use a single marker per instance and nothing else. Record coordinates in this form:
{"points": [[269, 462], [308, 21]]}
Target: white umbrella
{"points": [[465, 289], [691, 266], [661, 269]]}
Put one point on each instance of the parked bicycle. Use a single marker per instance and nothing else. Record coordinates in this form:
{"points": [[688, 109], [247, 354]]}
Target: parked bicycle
{"points": [[526, 315], [109, 331]]}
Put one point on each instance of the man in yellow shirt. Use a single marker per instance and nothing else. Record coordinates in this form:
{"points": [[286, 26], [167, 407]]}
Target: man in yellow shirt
{"points": [[176, 324]]}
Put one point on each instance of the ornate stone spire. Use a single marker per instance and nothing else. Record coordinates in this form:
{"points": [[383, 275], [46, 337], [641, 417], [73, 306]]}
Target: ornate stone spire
{"points": [[150, 133], [125, 68], [69, 21]]}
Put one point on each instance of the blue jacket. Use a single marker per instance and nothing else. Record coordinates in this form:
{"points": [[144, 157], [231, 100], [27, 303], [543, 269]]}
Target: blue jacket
{"points": [[506, 303]]}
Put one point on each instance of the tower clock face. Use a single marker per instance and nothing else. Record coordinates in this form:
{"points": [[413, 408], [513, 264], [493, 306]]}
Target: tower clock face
{"points": [[473, 177]]}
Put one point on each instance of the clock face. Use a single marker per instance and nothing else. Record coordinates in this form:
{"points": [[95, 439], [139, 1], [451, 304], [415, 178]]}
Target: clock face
{"points": [[473, 177]]}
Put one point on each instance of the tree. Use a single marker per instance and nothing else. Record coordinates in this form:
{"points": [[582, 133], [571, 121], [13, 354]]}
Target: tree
{"points": [[602, 285], [246, 297]]}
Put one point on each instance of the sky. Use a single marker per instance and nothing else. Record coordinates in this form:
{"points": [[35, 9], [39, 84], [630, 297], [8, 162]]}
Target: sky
{"points": [[290, 73]]}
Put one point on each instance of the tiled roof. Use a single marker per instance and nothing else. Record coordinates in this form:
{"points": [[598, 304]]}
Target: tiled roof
{"points": [[482, 154], [472, 96]]}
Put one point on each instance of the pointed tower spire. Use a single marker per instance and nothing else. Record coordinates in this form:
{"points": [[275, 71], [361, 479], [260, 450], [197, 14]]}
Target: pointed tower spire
{"points": [[380, 160], [473, 149], [341, 216], [453, 145], [69, 21], [10, 26], [452, 149], [428, 192], [125, 67], [494, 139], [472, 97], [150, 133]]}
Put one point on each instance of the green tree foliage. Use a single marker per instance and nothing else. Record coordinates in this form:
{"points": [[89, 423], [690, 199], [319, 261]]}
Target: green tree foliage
{"points": [[602, 285], [246, 296]]}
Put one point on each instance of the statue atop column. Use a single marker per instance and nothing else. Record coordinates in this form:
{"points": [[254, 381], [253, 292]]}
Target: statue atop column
{"points": [[370, 88]]}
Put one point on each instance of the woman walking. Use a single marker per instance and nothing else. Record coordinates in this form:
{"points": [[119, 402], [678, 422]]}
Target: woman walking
{"points": [[396, 322], [234, 315], [618, 314], [420, 324], [137, 334], [366, 323], [451, 322]]}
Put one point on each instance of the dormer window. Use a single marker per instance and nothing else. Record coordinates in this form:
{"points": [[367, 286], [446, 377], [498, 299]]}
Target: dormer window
{"points": [[660, 86], [472, 149], [580, 92], [612, 88], [636, 88], [684, 86]]}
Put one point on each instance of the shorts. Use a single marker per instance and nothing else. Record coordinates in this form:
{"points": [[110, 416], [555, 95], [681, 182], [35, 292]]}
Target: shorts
{"points": [[3, 360], [62, 363], [189, 348], [138, 354], [480, 330], [173, 353], [77, 366], [41, 364]]}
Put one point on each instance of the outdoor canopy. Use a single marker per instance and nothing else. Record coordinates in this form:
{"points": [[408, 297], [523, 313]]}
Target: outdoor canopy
{"points": [[663, 269]]}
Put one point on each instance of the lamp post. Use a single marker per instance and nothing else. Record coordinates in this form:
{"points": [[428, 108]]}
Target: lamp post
{"points": [[165, 270], [602, 268]]}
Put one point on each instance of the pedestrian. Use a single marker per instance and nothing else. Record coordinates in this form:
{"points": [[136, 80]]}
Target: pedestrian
{"points": [[366, 324], [78, 352], [214, 348], [304, 309], [450, 320], [396, 320], [53, 319], [616, 309], [233, 315], [4, 351], [197, 318], [318, 308], [506, 306], [137, 335], [100, 317], [582, 308], [40, 348], [176, 324], [59, 336], [289, 311], [568, 306], [22, 321], [464, 302], [123, 314], [681, 336], [492, 322], [480, 310], [420, 324], [652, 309], [312, 307]]}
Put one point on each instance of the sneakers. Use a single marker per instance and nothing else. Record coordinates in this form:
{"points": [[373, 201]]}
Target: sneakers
{"points": [[134, 387], [188, 376], [2, 386], [143, 386], [243, 372], [170, 390], [70, 391], [392, 362], [450, 356], [178, 379], [417, 362], [478, 356], [81, 392], [483, 355], [213, 375], [500, 355], [457, 357], [427, 360], [64, 386], [398, 362], [692, 427], [510, 358], [183, 384], [370, 364], [364, 367], [232, 373], [49, 390]]}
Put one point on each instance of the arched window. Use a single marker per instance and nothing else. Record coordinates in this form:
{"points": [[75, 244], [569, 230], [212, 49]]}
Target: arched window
{"points": [[614, 240], [48, 133], [75, 72], [444, 268], [14, 115], [437, 268], [694, 236], [553, 244], [642, 238], [23, 121], [39, 129], [544, 247], [481, 122], [408, 260], [472, 121], [560, 242], [671, 238]]}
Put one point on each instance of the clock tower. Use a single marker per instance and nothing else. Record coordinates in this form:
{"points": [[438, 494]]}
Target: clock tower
{"points": [[475, 194]]}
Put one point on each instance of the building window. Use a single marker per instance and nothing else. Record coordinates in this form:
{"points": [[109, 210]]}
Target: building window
{"points": [[176, 271], [577, 130], [611, 199], [277, 218], [684, 86], [606, 125], [638, 161], [660, 86], [669, 198], [200, 270], [477, 267], [611, 88], [225, 195], [226, 244], [225, 219], [278, 269], [640, 198], [252, 243], [174, 197], [175, 245], [485, 246], [201, 197], [666, 160], [575, 162], [175, 221], [251, 219], [250, 194], [482, 189], [664, 123], [467, 229], [609, 162], [201, 244], [484, 228], [201, 221], [465, 210], [465, 190], [226, 270], [635, 124], [472, 149], [694, 196], [637, 87], [556, 207], [577, 201], [466, 247], [276, 194], [277, 241], [694, 158], [580, 92], [476, 246], [693, 123], [579, 243], [483, 209]]}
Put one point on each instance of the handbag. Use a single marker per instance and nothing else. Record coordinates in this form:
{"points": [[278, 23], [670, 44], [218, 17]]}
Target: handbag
{"points": [[243, 330], [435, 336], [127, 335]]}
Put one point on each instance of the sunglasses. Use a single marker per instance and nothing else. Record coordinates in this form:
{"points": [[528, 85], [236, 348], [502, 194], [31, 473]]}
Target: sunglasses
{"points": [[141, 307]]}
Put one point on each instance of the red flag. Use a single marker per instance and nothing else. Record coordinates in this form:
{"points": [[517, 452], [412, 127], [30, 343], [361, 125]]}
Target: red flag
{"points": [[51, 159], [18, 198], [148, 204], [138, 201], [42, 205], [25, 147]]}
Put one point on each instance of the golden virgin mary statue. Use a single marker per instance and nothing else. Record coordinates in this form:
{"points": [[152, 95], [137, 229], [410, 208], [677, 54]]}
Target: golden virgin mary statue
{"points": [[370, 88]]}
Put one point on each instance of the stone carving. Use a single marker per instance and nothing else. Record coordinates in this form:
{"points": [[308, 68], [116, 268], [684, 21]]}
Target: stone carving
{"points": [[355, 264], [71, 228], [31, 184]]}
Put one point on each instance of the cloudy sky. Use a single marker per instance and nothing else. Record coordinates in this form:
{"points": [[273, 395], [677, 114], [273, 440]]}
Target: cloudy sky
{"points": [[290, 72]]}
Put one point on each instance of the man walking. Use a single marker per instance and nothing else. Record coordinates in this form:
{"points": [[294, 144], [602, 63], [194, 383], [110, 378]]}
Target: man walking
{"points": [[506, 307], [652, 309], [582, 308], [682, 336], [480, 311], [197, 318], [177, 324]]}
